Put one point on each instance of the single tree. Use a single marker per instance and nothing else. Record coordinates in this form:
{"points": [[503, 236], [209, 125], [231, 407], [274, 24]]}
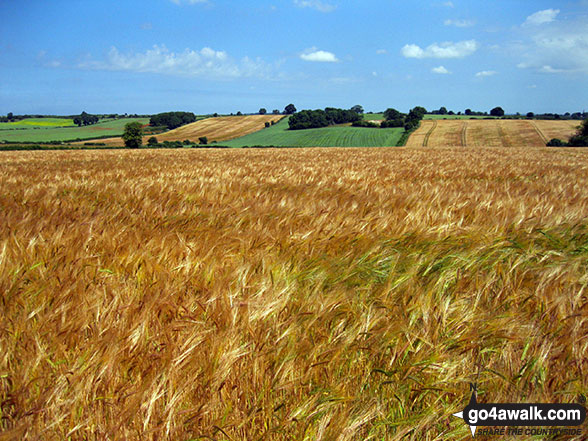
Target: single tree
{"points": [[442, 111], [468, 111], [392, 114], [357, 109], [152, 141], [10, 116], [289, 109], [276, 112], [530, 115], [203, 140], [262, 111], [133, 135], [497, 111]]}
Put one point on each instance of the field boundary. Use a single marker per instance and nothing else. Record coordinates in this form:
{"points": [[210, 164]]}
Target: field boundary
{"points": [[464, 128], [429, 133], [539, 132]]}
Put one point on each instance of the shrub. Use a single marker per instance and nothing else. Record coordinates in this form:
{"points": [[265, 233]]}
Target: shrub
{"points": [[203, 140], [267, 124], [555, 142], [152, 141], [187, 142], [364, 124]]}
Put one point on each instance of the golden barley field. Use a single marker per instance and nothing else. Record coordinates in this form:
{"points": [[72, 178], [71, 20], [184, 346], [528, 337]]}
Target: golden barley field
{"points": [[294, 294], [490, 133], [221, 128]]}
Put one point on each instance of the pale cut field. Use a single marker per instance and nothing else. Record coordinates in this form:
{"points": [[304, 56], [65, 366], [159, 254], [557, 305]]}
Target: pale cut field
{"points": [[287, 294], [490, 133], [218, 129]]}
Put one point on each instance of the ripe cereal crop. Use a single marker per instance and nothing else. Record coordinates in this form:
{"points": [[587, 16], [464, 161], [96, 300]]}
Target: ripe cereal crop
{"points": [[287, 294]]}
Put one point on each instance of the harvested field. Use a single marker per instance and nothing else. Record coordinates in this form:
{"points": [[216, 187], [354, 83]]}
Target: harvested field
{"points": [[287, 294], [221, 128], [490, 133]]}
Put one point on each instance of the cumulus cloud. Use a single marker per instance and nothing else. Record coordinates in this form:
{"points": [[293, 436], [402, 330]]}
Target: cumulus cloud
{"points": [[460, 49], [315, 4], [440, 70], [459, 23], [318, 56], [486, 73], [555, 47], [541, 17], [206, 62]]}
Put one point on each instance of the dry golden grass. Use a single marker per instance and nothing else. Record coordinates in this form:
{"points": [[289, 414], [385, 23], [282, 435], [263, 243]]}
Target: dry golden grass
{"points": [[563, 130], [221, 128], [311, 294], [490, 133]]}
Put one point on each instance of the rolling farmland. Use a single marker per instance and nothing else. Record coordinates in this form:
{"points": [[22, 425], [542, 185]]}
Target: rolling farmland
{"points": [[48, 133], [37, 122], [217, 129], [287, 294], [333, 136], [490, 133]]}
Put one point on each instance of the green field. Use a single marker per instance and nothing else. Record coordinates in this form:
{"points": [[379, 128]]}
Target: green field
{"points": [[35, 134], [334, 136], [373, 116], [37, 122]]}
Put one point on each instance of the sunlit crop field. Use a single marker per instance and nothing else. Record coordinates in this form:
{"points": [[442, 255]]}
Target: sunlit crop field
{"points": [[306, 294], [490, 133]]}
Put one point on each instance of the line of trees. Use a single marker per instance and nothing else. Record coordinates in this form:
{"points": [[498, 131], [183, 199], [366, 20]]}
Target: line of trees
{"points": [[172, 120], [395, 118], [310, 119]]}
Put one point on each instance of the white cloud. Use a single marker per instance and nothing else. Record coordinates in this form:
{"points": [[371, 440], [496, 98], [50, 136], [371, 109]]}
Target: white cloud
{"points": [[318, 56], [381, 51], [556, 47], [541, 17], [315, 4], [486, 73], [459, 23], [442, 50], [206, 62], [449, 4], [440, 70]]}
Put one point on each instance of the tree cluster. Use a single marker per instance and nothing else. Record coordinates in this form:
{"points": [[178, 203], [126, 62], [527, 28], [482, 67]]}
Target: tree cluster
{"points": [[310, 119], [85, 119], [172, 120], [394, 118]]}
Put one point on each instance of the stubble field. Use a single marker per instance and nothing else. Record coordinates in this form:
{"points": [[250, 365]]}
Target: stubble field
{"points": [[490, 133], [217, 129], [308, 294]]}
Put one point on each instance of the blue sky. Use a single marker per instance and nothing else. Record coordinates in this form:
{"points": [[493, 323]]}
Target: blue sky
{"points": [[149, 56]]}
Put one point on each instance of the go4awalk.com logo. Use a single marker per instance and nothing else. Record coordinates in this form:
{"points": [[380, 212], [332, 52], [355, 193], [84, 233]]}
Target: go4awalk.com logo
{"points": [[507, 418]]}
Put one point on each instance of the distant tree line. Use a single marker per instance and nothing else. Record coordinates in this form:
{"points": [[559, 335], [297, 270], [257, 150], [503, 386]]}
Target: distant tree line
{"points": [[311, 119], [172, 120], [395, 118]]}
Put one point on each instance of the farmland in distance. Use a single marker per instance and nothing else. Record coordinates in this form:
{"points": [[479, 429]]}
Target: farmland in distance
{"points": [[25, 133], [287, 294], [333, 136], [490, 133]]}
